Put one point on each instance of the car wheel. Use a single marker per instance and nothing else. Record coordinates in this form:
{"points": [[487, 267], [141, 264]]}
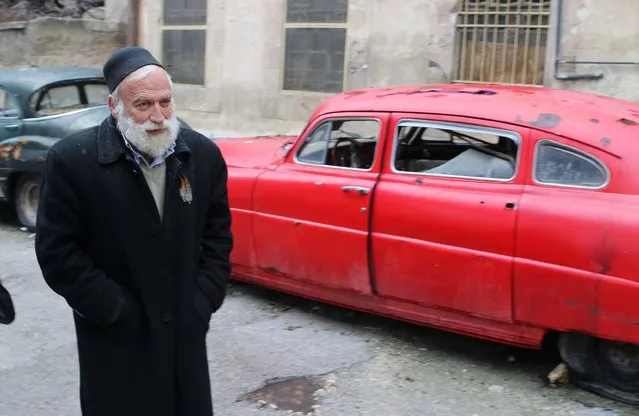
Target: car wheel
{"points": [[607, 368], [26, 197]]}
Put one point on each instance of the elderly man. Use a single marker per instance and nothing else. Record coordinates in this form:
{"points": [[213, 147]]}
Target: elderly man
{"points": [[134, 232]]}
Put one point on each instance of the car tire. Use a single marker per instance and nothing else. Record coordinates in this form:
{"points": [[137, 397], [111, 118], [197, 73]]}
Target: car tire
{"points": [[26, 196], [607, 368]]}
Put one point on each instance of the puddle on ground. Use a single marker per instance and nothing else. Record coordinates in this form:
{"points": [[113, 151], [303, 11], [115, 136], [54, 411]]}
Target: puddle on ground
{"points": [[294, 394]]}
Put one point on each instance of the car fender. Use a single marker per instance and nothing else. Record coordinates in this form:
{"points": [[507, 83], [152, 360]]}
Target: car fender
{"points": [[25, 153]]}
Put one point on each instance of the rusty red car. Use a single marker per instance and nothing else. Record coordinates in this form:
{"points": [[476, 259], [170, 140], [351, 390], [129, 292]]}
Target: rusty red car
{"points": [[507, 213]]}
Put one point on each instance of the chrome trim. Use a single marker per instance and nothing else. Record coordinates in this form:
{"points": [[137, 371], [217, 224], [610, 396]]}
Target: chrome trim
{"points": [[576, 152], [377, 146], [467, 128], [54, 116], [359, 189]]}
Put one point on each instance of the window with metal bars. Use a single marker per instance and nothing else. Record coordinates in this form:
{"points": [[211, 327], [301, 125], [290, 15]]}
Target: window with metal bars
{"points": [[184, 40], [501, 41], [315, 43]]}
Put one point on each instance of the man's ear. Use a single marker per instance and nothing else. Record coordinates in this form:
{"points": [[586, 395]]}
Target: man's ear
{"points": [[111, 105]]}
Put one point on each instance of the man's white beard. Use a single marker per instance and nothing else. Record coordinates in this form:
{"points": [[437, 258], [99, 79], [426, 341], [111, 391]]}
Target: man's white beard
{"points": [[149, 145]]}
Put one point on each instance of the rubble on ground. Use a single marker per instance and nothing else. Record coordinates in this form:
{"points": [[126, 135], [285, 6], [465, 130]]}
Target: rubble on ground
{"points": [[20, 10]]}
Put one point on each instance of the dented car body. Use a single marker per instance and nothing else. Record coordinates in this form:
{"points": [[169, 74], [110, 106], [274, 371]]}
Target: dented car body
{"points": [[504, 213]]}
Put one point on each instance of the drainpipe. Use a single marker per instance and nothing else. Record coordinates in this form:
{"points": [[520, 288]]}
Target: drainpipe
{"points": [[559, 59], [558, 51], [134, 22]]}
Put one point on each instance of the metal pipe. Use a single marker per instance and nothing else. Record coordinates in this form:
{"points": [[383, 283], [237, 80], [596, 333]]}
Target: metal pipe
{"points": [[558, 52], [134, 21], [559, 60], [601, 62]]}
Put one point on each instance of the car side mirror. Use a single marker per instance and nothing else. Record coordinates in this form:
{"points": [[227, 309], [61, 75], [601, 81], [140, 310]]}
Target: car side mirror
{"points": [[7, 312]]}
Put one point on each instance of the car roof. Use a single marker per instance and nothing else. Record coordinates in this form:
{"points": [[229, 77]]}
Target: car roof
{"points": [[606, 123], [28, 80]]}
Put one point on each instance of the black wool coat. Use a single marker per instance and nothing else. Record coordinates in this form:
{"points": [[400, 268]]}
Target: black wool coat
{"points": [[142, 289]]}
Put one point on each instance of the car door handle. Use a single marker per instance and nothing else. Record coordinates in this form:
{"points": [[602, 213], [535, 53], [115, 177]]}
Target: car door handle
{"points": [[362, 190], [11, 126]]}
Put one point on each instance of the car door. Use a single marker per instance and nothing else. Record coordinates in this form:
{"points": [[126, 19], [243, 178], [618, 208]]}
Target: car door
{"points": [[312, 213], [444, 215], [10, 121], [574, 240]]}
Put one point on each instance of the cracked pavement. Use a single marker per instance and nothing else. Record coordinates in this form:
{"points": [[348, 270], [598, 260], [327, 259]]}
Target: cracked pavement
{"points": [[355, 364]]}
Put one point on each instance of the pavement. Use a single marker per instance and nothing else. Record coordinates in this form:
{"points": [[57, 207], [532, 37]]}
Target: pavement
{"points": [[273, 354]]}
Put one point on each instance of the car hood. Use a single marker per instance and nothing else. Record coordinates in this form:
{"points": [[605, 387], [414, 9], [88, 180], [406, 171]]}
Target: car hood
{"points": [[256, 151]]}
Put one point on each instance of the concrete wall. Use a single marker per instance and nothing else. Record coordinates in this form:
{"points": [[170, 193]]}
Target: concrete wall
{"points": [[58, 41], [594, 30], [117, 10], [389, 42]]}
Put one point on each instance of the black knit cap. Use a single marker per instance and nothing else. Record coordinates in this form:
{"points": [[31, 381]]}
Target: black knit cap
{"points": [[123, 62]]}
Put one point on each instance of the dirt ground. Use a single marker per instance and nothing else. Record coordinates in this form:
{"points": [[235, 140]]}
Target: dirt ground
{"points": [[272, 354]]}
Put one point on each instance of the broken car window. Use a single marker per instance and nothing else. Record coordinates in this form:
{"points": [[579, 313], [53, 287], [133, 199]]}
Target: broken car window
{"points": [[450, 150], [556, 164], [343, 143]]}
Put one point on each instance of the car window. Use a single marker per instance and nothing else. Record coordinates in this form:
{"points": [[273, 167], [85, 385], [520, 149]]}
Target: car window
{"points": [[8, 105], [58, 100], [557, 164], [448, 149], [347, 143], [97, 94]]}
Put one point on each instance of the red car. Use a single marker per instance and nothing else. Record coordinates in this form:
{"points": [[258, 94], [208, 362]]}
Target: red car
{"points": [[504, 213]]}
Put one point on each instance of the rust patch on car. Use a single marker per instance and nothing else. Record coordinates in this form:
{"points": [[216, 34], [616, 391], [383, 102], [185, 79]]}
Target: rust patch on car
{"points": [[440, 92], [603, 255], [606, 141], [627, 122], [12, 151], [6, 151], [573, 304], [354, 93], [17, 151], [546, 121]]}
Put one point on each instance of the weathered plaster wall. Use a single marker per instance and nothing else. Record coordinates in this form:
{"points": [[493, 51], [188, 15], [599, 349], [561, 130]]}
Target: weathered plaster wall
{"points": [[594, 30], [388, 42], [244, 58], [58, 41], [117, 10]]}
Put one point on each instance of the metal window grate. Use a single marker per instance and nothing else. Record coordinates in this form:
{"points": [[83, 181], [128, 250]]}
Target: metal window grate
{"points": [[315, 45], [502, 41]]}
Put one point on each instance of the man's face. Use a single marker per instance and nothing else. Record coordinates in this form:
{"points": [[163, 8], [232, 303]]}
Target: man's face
{"points": [[145, 113], [148, 99]]}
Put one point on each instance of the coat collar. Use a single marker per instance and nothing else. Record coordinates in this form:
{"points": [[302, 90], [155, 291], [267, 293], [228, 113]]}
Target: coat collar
{"points": [[111, 144]]}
